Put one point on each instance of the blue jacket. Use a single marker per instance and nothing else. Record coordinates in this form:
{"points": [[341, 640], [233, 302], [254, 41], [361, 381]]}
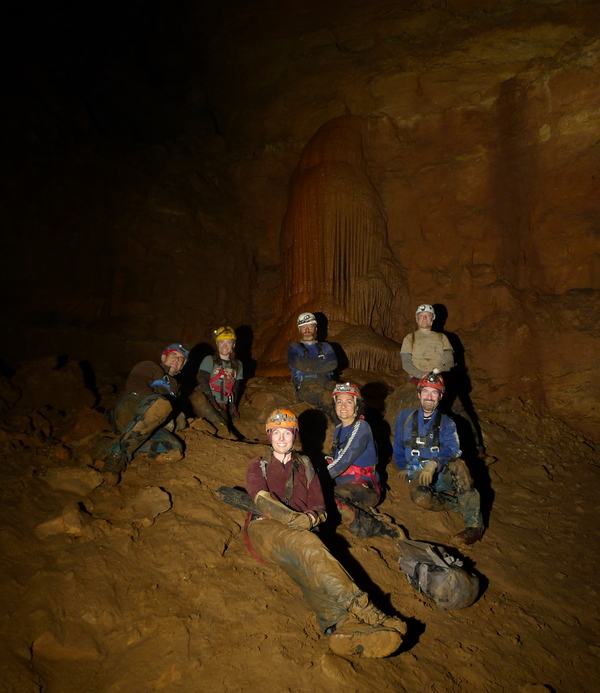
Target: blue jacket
{"points": [[318, 364], [449, 446], [360, 453]]}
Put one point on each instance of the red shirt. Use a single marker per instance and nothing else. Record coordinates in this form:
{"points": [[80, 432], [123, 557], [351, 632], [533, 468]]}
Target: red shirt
{"points": [[305, 497]]}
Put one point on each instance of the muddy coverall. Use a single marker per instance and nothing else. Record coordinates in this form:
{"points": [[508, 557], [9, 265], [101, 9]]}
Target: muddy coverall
{"points": [[327, 587], [312, 367], [418, 441], [140, 413], [218, 390]]}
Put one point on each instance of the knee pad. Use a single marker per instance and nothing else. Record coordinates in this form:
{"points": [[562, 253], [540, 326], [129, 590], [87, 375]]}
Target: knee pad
{"points": [[422, 496]]}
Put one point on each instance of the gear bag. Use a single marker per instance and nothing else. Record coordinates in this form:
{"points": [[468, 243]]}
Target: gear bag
{"points": [[437, 575]]}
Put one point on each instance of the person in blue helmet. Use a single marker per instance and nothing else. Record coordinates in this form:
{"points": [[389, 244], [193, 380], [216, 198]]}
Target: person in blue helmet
{"points": [[142, 413], [312, 364], [427, 453]]}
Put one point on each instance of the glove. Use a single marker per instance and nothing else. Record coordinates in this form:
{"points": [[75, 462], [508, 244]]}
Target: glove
{"points": [[301, 521], [426, 476], [403, 475]]}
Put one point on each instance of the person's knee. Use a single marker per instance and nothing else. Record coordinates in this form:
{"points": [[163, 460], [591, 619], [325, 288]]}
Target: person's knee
{"points": [[422, 497], [460, 477], [171, 456]]}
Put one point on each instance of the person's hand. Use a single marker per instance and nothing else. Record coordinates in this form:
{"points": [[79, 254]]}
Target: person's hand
{"points": [[426, 476], [403, 475], [300, 521]]}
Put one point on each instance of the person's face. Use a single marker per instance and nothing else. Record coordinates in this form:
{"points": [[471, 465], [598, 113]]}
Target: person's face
{"points": [[345, 408], [424, 320], [430, 398], [282, 440], [308, 332], [225, 347], [174, 361]]}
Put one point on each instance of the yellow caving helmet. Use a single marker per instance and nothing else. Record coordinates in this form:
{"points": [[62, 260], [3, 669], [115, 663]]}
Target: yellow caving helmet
{"points": [[222, 333]]}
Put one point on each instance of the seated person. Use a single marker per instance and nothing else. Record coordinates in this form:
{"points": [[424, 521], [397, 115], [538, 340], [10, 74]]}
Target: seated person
{"points": [[352, 466], [312, 364], [219, 378], [141, 412], [288, 495], [427, 453]]}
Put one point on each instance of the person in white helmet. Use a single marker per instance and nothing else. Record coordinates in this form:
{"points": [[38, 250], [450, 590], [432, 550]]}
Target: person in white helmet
{"points": [[312, 364], [423, 350]]}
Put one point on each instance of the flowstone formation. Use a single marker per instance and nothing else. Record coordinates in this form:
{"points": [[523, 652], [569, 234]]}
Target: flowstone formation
{"points": [[335, 256]]}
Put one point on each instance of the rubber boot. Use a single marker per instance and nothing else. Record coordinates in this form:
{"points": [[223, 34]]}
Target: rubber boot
{"points": [[353, 637], [151, 419], [363, 524], [366, 611]]}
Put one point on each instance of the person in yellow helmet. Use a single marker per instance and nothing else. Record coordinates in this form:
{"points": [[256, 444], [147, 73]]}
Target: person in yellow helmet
{"points": [[219, 377]]}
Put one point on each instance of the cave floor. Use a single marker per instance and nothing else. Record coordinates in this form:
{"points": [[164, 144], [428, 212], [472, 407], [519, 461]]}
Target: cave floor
{"points": [[148, 586]]}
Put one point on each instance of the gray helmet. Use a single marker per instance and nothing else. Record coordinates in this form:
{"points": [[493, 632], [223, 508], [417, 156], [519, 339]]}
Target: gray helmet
{"points": [[437, 575], [306, 319], [425, 308]]}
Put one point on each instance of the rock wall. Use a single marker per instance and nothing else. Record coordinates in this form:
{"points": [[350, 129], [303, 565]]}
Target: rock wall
{"points": [[149, 204]]}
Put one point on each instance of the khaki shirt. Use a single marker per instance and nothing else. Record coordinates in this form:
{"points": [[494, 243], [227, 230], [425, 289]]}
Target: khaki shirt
{"points": [[427, 350]]}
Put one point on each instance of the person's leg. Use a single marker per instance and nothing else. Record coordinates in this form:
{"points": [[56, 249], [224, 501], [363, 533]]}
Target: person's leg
{"points": [[356, 504], [136, 417], [205, 410], [162, 446], [325, 584], [319, 397], [455, 478], [344, 613]]}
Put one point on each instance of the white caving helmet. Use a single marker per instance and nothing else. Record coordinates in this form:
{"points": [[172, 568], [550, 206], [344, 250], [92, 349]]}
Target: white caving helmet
{"points": [[306, 319], [425, 308]]}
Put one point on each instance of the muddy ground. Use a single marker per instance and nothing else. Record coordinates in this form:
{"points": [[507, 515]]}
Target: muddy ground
{"points": [[148, 586]]}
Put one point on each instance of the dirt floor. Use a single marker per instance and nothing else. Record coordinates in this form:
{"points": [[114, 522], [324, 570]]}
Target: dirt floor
{"points": [[148, 586]]}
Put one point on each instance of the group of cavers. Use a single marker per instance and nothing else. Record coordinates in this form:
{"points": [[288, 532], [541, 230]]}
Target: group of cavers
{"points": [[283, 493]]}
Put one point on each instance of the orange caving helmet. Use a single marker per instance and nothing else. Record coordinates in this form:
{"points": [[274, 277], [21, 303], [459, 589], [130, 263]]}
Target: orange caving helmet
{"points": [[432, 379], [282, 418]]}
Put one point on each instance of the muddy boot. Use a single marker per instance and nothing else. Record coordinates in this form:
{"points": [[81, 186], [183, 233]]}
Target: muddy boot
{"points": [[364, 609], [115, 463], [353, 637], [469, 535], [364, 524], [144, 427]]}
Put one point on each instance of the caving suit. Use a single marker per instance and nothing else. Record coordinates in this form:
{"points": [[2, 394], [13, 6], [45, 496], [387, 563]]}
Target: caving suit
{"points": [[353, 468], [325, 584], [416, 441], [312, 366], [218, 389], [141, 412]]}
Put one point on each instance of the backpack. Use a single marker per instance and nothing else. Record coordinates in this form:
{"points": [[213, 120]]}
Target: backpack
{"points": [[437, 575]]}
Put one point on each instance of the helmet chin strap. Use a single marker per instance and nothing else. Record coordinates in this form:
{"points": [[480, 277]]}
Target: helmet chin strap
{"points": [[285, 454]]}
